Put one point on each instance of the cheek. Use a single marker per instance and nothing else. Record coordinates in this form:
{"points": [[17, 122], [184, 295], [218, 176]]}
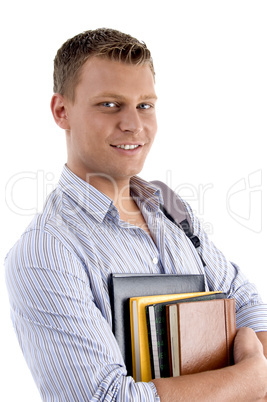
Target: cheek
{"points": [[87, 131], [152, 121], [153, 126]]}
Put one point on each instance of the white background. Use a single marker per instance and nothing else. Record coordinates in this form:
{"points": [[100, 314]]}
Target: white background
{"points": [[211, 62]]}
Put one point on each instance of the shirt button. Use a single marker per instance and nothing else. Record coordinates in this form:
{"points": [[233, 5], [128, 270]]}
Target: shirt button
{"points": [[155, 260], [114, 213]]}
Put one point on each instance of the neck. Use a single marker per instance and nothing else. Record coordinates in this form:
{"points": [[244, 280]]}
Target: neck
{"points": [[119, 192], [118, 189]]}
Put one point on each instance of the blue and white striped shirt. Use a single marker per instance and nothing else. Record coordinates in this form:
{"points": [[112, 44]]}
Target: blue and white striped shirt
{"points": [[57, 277]]}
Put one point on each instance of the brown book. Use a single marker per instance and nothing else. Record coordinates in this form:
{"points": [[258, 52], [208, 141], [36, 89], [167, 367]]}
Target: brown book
{"points": [[200, 335]]}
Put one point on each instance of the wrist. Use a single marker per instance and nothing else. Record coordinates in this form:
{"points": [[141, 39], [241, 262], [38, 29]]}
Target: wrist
{"points": [[253, 371]]}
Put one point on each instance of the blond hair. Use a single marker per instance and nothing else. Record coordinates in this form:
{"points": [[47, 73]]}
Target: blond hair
{"points": [[103, 42]]}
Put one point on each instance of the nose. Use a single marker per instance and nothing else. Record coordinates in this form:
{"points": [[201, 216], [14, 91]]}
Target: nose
{"points": [[130, 121]]}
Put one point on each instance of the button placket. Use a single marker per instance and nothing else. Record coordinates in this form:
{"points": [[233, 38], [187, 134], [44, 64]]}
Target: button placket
{"points": [[155, 260]]}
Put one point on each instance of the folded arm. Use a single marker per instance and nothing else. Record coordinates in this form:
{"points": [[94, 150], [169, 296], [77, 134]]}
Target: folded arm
{"points": [[64, 331], [263, 338], [245, 381], [66, 337]]}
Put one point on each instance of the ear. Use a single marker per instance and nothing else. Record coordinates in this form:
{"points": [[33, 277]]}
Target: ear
{"points": [[59, 111]]}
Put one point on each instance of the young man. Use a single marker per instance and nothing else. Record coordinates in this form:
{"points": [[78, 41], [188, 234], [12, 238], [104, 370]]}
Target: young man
{"points": [[103, 219]]}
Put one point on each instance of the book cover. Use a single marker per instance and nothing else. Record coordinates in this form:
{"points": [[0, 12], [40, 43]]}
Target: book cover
{"points": [[124, 286], [200, 335], [139, 334], [157, 333]]}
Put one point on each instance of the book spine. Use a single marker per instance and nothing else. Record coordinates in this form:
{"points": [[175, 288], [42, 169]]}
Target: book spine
{"points": [[135, 341], [230, 328], [162, 339], [152, 338], [174, 339]]}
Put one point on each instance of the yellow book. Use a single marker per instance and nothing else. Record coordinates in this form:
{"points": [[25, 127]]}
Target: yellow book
{"points": [[139, 335]]}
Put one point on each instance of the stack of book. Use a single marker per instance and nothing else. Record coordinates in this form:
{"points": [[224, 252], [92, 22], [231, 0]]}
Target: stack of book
{"points": [[167, 325]]}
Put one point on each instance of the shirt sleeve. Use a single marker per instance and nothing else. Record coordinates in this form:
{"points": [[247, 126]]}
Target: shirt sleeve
{"points": [[67, 342], [227, 277]]}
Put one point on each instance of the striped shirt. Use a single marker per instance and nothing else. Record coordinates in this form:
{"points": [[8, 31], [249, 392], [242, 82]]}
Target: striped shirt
{"points": [[58, 273]]}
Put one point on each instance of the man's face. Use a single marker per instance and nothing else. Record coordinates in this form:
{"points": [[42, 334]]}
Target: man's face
{"points": [[112, 122]]}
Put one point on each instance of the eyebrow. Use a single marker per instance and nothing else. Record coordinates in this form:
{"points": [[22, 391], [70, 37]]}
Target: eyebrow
{"points": [[123, 98]]}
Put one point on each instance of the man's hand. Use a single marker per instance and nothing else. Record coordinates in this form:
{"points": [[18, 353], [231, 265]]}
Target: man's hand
{"points": [[247, 348], [263, 338], [244, 381], [247, 345]]}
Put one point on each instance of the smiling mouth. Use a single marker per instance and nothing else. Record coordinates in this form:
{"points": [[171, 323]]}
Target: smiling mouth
{"points": [[126, 146]]}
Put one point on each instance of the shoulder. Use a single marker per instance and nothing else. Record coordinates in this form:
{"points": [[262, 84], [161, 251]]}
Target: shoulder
{"points": [[47, 242]]}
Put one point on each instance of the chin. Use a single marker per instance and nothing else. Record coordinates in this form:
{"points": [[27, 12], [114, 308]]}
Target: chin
{"points": [[128, 175]]}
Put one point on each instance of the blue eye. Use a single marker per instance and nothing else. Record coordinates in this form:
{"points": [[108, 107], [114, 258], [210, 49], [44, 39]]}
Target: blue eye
{"points": [[109, 104], [144, 106]]}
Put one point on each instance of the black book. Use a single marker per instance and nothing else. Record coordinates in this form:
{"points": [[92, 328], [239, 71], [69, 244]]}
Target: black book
{"points": [[124, 286], [158, 334]]}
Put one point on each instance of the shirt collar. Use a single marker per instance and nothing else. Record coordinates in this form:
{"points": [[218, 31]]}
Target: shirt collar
{"points": [[145, 193], [84, 194], [98, 204]]}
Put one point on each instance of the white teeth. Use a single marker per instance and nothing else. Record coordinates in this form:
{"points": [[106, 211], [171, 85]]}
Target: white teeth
{"points": [[127, 146]]}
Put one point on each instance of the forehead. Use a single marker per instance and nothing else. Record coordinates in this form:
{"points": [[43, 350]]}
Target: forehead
{"points": [[104, 75]]}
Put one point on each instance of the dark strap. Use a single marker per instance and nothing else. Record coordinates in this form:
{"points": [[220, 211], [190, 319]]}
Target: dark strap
{"points": [[175, 207], [176, 212]]}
